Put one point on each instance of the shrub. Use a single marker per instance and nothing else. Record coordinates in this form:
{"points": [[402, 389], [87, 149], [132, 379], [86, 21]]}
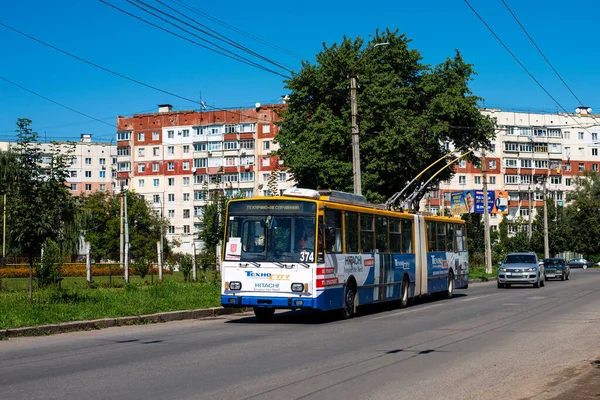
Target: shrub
{"points": [[48, 270]]}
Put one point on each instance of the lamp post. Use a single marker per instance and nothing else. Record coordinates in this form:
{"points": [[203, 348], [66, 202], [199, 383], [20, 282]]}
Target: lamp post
{"points": [[354, 111]]}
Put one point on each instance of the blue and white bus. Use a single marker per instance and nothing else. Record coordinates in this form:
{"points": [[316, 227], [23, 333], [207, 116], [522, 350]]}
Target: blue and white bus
{"points": [[332, 250]]}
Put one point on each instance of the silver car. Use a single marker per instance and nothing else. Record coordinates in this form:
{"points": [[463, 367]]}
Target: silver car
{"points": [[521, 268]]}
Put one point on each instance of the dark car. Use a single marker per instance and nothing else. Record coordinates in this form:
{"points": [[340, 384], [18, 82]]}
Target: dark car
{"points": [[579, 263], [556, 268]]}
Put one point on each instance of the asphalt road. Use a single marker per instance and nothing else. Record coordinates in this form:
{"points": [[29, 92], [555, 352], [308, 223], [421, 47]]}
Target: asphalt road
{"points": [[486, 343]]}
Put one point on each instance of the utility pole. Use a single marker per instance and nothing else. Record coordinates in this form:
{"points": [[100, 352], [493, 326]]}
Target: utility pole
{"points": [[126, 257], [4, 232], [122, 243], [355, 139], [529, 229], [486, 217], [546, 242], [162, 234]]}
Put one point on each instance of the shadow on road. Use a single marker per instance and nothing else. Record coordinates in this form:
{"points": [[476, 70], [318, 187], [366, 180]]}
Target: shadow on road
{"points": [[307, 317]]}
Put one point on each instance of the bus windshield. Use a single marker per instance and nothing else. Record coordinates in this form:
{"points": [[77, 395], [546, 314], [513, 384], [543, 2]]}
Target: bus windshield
{"points": [[272, 233]]}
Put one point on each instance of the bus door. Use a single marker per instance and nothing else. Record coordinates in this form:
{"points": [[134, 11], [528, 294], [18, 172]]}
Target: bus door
{"points": [[420, 256]]}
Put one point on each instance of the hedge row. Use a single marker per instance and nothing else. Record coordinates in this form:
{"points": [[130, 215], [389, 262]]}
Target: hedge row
{"points": [[70, 270]]}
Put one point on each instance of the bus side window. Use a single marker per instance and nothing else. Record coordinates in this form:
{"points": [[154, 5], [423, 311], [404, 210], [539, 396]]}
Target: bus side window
{"points": [[441, 236], [407, 228], [367, 234], [333, 231], [351, 230], [430, 226], [381, 233], [450, 237], [395, 237], [460, 243]]}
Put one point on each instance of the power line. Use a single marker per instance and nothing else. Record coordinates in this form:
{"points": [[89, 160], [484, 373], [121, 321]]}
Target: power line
{"points": [[233, 57], [56, 102], [216, 34], [544, 57], [117, 73], [196, 11], [519, 62]]}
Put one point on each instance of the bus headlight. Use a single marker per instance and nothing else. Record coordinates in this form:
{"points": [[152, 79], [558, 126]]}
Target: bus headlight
{"points": [[235, 285], [297, 287]]}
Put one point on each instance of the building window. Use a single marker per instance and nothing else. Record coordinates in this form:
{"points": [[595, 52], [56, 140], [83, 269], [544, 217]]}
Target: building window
{"points": [[511, 162], [462, 180], [214, 146], [595, 152], [141, 183], [171, 166], [102, 174], [511, 179], [123, 135], [282, 177], [73, 174], [230, 128], [556, 180], [156, 151], [247, 144], [186, 213], [156, 198], [199, 146], [171, 213], [477, 180], [155, 167], [246, 176], [186, 149], [492, 180], [74, 161], [171, 182], [103, 187], [595, 167], [186, 197], [141, 152], [171, 197], [230, 145], [581, 167], [141, 167], [171, 229], [186, 133], [580, 135], [186, 229], [170, 134], [492, 164], [567, 166], [140, 136], [568, 181], [266, 128], [88, 161], [102, 161], [186, 181], [186, 165], [88, 186], [73, 186], [155, 135], [171, 150], [525, 163], [123, 151], [266, 144], [462, 164], [266, 161], [156, 182], [88, 174]]}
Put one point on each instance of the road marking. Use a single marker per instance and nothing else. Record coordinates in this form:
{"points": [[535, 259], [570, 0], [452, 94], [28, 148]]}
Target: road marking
{"points": [[512, 304], [443, 303]]}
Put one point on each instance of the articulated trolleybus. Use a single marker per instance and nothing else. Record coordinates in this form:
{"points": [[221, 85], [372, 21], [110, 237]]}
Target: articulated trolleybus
{"points": [[332, 250]]}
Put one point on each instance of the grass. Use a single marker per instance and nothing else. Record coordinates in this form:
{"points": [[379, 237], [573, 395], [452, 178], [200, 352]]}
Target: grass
{"points": [[74, 301], [478, 272]]}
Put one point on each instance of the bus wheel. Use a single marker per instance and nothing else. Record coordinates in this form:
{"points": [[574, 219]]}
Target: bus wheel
{"points": [[450, 292], [404, 293], [264, 314], [349, 301]]}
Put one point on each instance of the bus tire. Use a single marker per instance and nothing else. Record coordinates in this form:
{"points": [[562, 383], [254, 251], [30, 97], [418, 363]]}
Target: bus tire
{"points": [[450, 292], [404, 293], [349, 307], [264, 314]]}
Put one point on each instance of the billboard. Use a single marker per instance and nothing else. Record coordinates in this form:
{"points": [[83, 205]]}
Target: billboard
{"points": [[471, 201]]}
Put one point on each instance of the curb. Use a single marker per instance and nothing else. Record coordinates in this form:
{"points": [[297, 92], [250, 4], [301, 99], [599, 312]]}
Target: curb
{"points": [[51, 329]]}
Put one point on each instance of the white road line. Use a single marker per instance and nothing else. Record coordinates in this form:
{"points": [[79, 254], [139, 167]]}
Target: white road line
{"points": [[442, 303]]}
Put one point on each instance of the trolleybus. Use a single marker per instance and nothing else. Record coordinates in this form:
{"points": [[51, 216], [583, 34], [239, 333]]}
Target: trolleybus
{"points": [[327, 250]]}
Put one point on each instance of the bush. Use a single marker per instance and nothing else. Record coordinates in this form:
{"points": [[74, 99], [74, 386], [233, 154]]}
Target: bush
{"points": [[48, 270], [141, 267], [187, 263]]}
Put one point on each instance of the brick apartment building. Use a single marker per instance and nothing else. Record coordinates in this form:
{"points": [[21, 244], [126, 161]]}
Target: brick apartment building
{"points": [[177, 160]]}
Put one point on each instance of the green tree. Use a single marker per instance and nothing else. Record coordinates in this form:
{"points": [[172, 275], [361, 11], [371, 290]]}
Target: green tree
{"points": [[583, 214], [42, 206], [408, 112], [8, 176]]}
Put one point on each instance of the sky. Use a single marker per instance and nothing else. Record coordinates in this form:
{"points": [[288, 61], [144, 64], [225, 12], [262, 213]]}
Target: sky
{"points": [[285, 32]]}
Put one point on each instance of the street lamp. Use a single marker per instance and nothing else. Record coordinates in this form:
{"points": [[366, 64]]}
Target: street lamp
{"points": [[354, 112]]}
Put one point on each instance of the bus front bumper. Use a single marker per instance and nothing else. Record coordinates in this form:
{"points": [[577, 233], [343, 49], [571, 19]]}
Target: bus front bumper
{"points": [[290, 303]]}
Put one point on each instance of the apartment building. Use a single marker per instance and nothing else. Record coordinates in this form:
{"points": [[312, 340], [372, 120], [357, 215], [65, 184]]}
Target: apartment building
{"points": [[530, 150], [92, 163], [178, 160]]}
